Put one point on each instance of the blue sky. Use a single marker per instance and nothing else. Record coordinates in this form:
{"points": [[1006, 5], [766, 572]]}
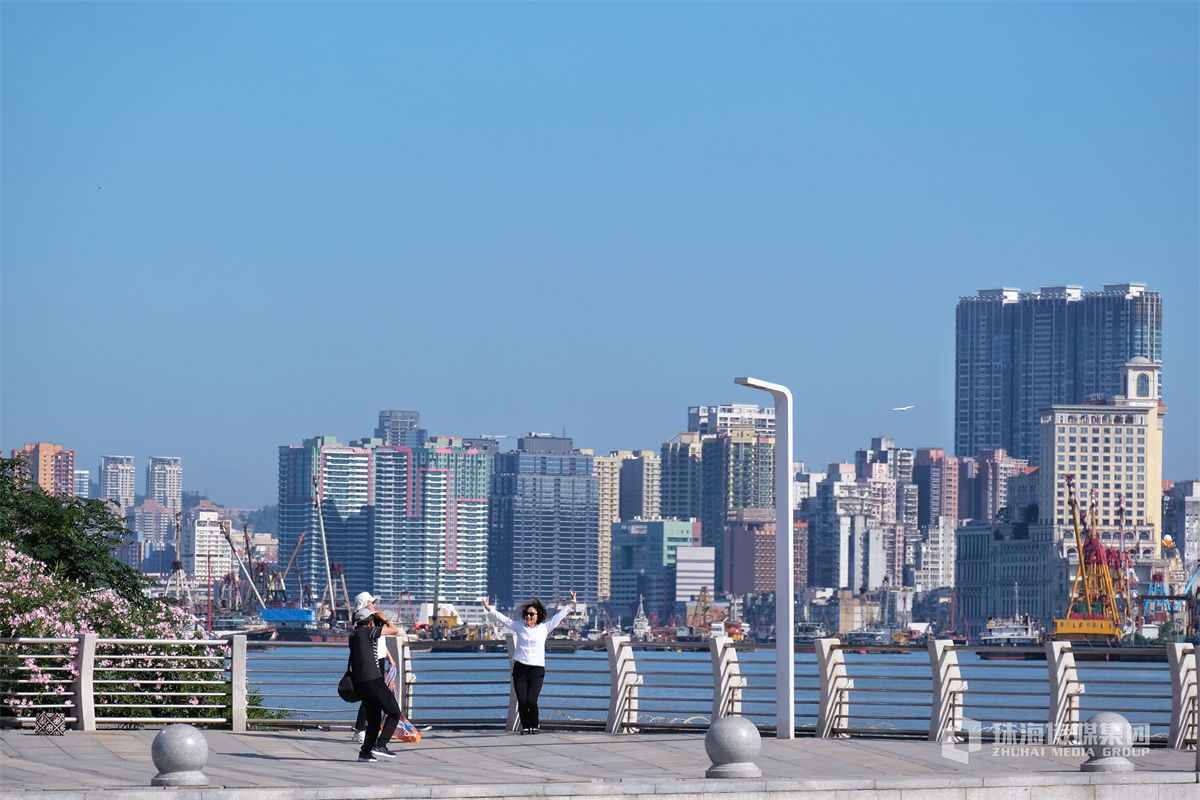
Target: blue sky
{"points": [[231, 226]]}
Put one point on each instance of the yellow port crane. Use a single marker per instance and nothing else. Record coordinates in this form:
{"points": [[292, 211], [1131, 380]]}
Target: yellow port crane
{"points": [[1099, 607]]}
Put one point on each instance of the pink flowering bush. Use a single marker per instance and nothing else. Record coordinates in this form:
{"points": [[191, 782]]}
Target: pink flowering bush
{"points": [[35, 604]]}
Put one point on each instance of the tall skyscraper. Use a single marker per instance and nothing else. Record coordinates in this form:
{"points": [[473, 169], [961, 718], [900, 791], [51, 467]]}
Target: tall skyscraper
{"points": [[118, 480], [50, 466], [544, 528], [341, 494], [738, 471], [680, 476], [608, 480], [83, 483], [429, 521], [164, 481], [1018, 353], [641, 475], [401, 428]]}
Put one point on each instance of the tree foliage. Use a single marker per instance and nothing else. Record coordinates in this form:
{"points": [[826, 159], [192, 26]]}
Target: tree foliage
{"points": [[74, 536]]}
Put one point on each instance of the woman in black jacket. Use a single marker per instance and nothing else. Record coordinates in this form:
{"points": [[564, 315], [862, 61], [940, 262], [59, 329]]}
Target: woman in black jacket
{"points": [[369, 683]]}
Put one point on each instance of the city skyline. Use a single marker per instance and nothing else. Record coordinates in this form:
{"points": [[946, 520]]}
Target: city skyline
{"points": [[590, 216]]}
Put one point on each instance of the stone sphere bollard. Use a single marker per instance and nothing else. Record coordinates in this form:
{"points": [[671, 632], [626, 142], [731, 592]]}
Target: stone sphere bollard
{"points": [[179, 751], [731, 744], [1109, 737]]}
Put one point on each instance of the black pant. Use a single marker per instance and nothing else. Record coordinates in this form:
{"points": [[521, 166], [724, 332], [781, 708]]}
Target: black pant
{"points": [[377, 699], [360, 723], [527, 682]]}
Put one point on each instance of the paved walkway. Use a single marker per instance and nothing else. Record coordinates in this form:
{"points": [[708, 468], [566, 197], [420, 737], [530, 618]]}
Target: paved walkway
{"points": [[311, 765]]}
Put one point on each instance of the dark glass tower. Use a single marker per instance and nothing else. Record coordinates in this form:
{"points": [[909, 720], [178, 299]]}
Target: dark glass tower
{"points": [[544, 523], [1018, 353]]}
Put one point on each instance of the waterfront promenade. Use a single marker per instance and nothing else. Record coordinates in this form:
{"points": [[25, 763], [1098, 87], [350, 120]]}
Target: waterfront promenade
{"points": [[318, 765]]}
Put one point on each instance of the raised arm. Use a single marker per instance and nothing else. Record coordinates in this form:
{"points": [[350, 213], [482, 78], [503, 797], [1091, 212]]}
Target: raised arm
{"points": [[562, 613], [501, 619]]}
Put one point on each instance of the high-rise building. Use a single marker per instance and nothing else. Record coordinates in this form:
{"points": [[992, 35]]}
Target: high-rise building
{"points": [[164, 481], [993, 468], [544, 523], [749, 548], [118, 480], [83, 483], [429, 521], [936, 477], [1114, 450], [1018, 353], [738, 471], [50, 466], [715, 420], [206, 552], [324, 482], [680, 477], [401, 428], [641, 475], [608, 481]]}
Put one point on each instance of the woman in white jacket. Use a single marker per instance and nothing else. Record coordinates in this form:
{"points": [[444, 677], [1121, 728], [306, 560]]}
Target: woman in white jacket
{"points": [[529, 660]]}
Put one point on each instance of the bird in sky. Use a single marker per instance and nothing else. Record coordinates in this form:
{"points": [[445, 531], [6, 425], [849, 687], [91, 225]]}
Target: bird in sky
{"points": [[903, 408]]}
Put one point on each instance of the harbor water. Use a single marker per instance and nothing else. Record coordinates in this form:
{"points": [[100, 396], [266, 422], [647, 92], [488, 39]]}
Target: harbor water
{"points": [[892, 691]]}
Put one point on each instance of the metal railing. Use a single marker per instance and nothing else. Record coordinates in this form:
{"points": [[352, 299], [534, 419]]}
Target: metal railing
{"points": [[617, 685]]}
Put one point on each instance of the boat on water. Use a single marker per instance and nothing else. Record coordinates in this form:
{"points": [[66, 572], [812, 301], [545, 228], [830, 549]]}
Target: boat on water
{"points": [[807, 633], [253, 627], [1013, 633], [863, 637]]}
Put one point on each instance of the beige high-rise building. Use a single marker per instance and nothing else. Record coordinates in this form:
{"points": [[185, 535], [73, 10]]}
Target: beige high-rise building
{"points": [[50, 466], [117, 480], [164, 481], [608, 470], [1114, 450]]}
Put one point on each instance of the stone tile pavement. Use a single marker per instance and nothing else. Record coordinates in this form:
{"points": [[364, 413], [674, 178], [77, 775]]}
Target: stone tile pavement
{"points": [[319, 765]]}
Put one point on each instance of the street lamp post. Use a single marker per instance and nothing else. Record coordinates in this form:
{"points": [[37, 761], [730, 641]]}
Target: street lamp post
{"points": [[785, 580]]}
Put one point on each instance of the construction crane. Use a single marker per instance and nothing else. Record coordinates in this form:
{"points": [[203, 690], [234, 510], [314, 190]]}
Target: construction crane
{"points": [[1099, 607], [178, 585], [329, 590], [241, 563], [278, 587], [330, 594]]}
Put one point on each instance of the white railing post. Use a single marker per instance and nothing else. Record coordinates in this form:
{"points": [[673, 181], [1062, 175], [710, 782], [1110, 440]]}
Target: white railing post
{"points": [[623, 686], [398, 646], [835, 688], [727, 678], [84, 690], [513, 721], [945, 718], [1182, 659], [237, 681], [1065, 690]]}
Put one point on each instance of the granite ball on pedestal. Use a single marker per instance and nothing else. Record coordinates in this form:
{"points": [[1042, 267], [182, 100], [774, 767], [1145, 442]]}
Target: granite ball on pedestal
{"points": [[731, 744], [179, 751], [1108, 736]]}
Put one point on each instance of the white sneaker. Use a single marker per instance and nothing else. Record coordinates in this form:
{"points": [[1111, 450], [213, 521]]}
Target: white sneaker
{"points": [[359, 736]]}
